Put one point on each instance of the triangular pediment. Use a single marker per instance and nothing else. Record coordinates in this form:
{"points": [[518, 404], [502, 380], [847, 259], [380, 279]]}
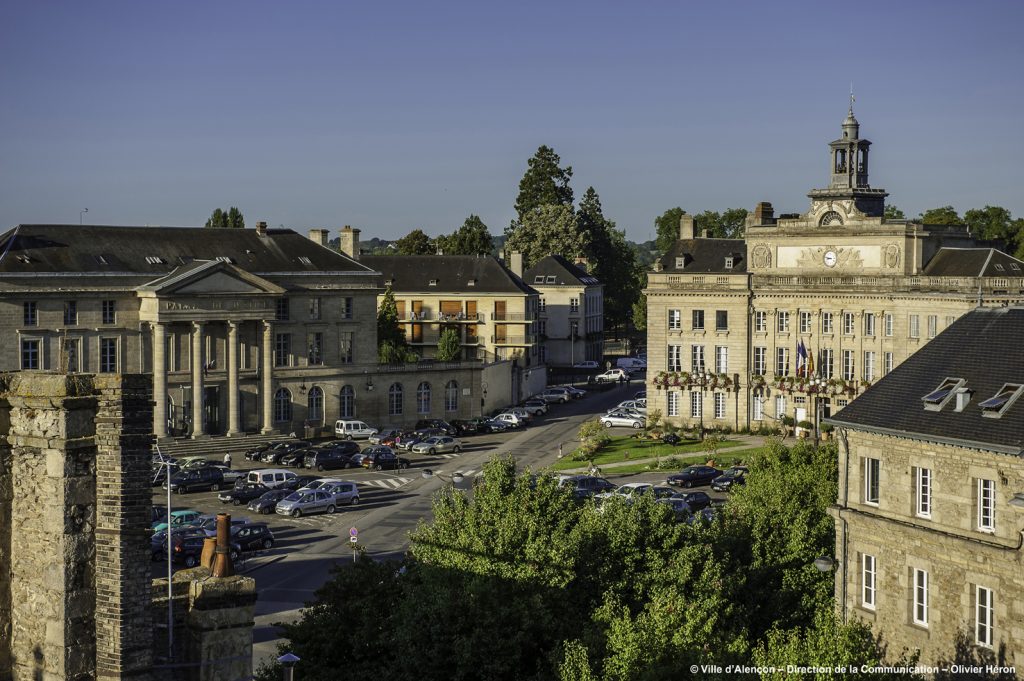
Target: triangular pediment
{"points": [[210, 277]]}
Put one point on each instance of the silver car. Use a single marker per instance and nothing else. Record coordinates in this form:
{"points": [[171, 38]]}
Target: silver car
{"points": [[300, 503], [343, 491], [437, 445], [621, 418]]}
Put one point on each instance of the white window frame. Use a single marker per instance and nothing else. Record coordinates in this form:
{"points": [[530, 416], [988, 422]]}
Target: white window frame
{"points": [[782, 321], [695, 317], [920, 598], [760, 321], [888, 360], [986, 505], [827, 322], [869, 365], [984, 616], [868, 581], [757, 408], [719, 405], [922, 492], [849, 323], [672, 399], [698, 362], [849, 369], [760, 360], [869, 323], [933, 325], [696, 404], [826, 362], [872, 480], [915, 326], [888, 318], [721, 359], [675, 320], [780, 406], [675, 358], [805, 322], [781, 361]]}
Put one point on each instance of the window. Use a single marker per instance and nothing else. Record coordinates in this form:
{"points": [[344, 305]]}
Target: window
{"points": [[923, 492], [985, 613], [281, 311], [805, 322], [721, 320], [451, 396], [314, 308], [721, 359], [826, 322], [282, 349], [70, 313], [345, 347], [673, 402], [282, 406], [872, 475], [395, 399], [781, 361], [867, 598], [760, 321], [108, 355], [31, 316], [315, 355], [423, 398], [675, 358], [697, 317], [915, 326], [869, 323], [109, 311], [841, 403], [986, 505], [315, 404], [675, 320], [920, 597], [933, 325], [782, 322], [346, 308], [888, 324], [348, 402], [29, 354], [950, 319], [71, 354], [887, 363], [760, 361], [696, 358], [848, 323], [848, 373], [574, 305], [542, 305], [695, 404], [719, 405], [869, 365], [825, 362], [780, 406], [680, 263], [757, 408]]}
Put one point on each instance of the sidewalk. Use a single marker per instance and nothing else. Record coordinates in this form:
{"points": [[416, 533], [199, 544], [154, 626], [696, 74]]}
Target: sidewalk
{"points": [[750, 442]]}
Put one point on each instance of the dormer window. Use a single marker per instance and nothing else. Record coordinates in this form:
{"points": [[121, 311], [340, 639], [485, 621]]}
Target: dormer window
{"points": [[472, 282], [101, 260], [995, 406], [680, 263], [388, 282], [538, 279], [1015, 267], [24, 258], [433, 282], [305, 261], [938, 398], [227, 259], [729, 262], [154, 260], [1000, 268], [551, 279]]}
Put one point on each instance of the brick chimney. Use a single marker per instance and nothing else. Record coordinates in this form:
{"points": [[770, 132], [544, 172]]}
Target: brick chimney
{"points": [[349, 242], [582, 262], [320, 236], [515, 263], [261, 229], [764, 213], [685, 226]]}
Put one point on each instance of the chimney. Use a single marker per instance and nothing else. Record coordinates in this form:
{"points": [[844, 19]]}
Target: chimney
{"points": [[320, 236], [963, 398], [685, 226], [349, 242], [764, 213], [704, 233], [222, 566], [582, 262], [261, 229], [515, 263]]}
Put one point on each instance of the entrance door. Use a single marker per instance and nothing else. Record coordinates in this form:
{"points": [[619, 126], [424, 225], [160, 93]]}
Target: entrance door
{"points": [[211, 409], [801, 415]]}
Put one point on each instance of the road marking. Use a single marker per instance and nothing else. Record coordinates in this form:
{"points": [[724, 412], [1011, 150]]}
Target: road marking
{"points": [[386, 483]]}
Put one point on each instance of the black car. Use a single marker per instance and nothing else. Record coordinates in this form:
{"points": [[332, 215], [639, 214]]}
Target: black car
{"points": [[256, 452], [332, 457], [158, 542], [274, 454], [266, 503], [440, 424], [680, 509], [252, 537], [187, 548], [737, 475], [296, 457], [692, 476], [379, 457], [408, 440], [696, 500], [585, 486], [494, 426], [209, 478], [242, 494], [467, 427], [300, 481]]}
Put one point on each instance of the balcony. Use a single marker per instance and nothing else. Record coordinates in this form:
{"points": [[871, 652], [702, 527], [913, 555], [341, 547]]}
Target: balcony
{"points": [[442, 318], [512, 317], [529, 339]]}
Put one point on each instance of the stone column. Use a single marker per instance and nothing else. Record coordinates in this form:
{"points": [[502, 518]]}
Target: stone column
{"points": [[233, 421], [159, 380], [198, 427], [265, 389]]}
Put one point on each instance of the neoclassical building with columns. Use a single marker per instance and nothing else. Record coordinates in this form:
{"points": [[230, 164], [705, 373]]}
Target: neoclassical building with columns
{"points": [[272, 330]]}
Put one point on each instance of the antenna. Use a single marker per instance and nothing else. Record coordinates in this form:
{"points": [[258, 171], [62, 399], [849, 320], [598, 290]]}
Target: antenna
{"points": [[84, 210], [852, 98]]}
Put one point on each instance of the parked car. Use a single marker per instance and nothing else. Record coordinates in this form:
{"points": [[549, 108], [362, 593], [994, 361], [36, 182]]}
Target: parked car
{"points": [[737, 475], [680, 509], [187, 548], [588, 364], [465, 427], [277, 452], [696, 500], [511, 420], [584, 486], [270, 477], [353, 430], [635, 405], [208, 524], [574, 392], [158, 542], [256, 452], [295, 458], [209, 478], [252, 537], [671, 439], [437, 445], [178, 519], [345, 492], [622, 418], [231, 475], [304, 502], [191, 463], [331, 458], [555, 394], [705, 515], [692, 476], [381, 436], [631, 364], [440, 424], [268, 502], [537, 407], [640, 395], [495, 426], [612, 376], [627, 491], [300, 481], [243, 494], [407, 441], [380, 457], [520, 412]]}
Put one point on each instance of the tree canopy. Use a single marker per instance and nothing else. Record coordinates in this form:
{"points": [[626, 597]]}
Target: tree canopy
{"points": [[232, 219], [449, 348], [544, 183], [415, 242], [946, 215], [667, 228], [893, 212], [726, 225], [392, 347], [472, 238], [548, 230]]}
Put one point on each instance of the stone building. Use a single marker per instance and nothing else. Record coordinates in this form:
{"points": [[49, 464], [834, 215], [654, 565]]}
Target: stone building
{"points": [[272, 330], [930, 512], [808, 309], [571, 324]]}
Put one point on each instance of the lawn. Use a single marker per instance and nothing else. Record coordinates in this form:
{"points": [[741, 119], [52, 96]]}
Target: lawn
{"points": [[624, 448], [722, 461]]}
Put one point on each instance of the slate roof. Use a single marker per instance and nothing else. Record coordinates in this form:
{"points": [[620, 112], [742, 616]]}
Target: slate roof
{"points": [[90, 249], [453, 274], [706, 256], [984, 348], [973, 262], [555, 270]]}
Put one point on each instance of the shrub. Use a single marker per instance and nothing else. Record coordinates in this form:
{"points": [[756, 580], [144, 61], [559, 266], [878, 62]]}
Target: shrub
{"points": [[806, 425]]}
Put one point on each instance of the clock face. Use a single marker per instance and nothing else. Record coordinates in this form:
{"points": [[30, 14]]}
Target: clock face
{"points": [[830, 259]]}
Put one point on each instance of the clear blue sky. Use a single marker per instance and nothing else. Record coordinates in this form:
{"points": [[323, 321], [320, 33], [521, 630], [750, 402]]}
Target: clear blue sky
{"points": [[390, 116]]}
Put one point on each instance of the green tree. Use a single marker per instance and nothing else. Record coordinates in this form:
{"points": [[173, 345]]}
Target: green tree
{"points": [[946, 215], [448, 346], [415, 242], [667, 226], [232, 219], [995, 222], [640, 313], [473, 238], [612, 259], [235, 219], [894, 213], [544, 183], [392, 347], [728, 225], [546, 230]]}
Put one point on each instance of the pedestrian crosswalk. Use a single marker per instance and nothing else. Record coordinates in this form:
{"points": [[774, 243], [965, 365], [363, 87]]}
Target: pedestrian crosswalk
{"points": [[386, 483]]}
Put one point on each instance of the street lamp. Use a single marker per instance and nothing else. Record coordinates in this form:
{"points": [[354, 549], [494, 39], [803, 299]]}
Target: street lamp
{"points": [[702, 379], [165, 462], [817, 384], [573, 326], [824, 563], [288, 662], [84, 210]]}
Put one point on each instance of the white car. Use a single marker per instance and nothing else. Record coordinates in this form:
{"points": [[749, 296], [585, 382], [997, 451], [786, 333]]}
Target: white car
{"points": [[612, 376], [520, 412], [621, 418], [639, 406], [537, 407], [628, 491], [511, 420]]}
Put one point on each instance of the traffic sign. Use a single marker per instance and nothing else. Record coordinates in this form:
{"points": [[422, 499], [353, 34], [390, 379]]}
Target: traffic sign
{"points": [[353, 539], [353, 532]]}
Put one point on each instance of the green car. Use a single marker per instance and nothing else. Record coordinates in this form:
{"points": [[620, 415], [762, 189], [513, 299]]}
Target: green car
{"points": [[178, 518]]}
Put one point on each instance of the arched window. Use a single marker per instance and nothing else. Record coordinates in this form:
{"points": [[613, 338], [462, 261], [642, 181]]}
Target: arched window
{"points": [[315, 402], [451, 396], [348, 402], [395, 399], [282, 405], [423, 398]]}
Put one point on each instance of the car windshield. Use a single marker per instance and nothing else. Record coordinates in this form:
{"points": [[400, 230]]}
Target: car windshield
{"points": [[314, 485], [294, 496], [732, 473]]}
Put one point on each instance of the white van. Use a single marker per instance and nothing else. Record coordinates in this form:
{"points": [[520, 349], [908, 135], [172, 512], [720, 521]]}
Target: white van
{"points": [[353, 430], [270, 477], [631, 364]]}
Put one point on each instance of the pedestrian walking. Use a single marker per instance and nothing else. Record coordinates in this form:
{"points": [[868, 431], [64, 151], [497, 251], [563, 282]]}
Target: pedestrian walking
{"points": [[227, 459]]}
